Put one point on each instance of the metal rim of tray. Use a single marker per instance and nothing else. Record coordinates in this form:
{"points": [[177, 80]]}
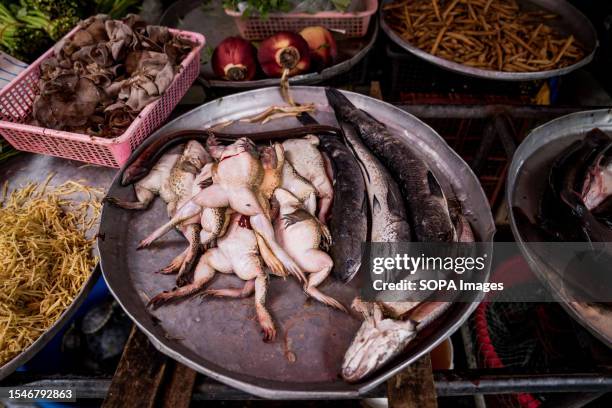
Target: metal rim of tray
{"points": [[570, 15], [304, 79], [568, 126], [448, 323], [44, 338]]}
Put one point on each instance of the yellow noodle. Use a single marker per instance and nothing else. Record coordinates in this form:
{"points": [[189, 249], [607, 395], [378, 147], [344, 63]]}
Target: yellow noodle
{"points": [[45, 257]]}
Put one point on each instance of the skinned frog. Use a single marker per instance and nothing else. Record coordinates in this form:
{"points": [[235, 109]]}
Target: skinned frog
{"points": [[301, 235], [272, 160], [181, 183], [155, 183], [299, 187], [174, 184], [237, 178], [314, 167], [213, 222], [236, 252]]}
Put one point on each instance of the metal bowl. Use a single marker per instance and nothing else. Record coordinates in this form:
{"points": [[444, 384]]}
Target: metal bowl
{"points": [[527, 177], [571, 21], [219, 337], [27, 167]]}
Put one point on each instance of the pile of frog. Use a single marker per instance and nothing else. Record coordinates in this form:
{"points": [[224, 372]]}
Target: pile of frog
{"points": [[300, 203]]}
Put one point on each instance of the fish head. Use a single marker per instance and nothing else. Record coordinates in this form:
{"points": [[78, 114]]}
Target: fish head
{"points": [[339, 103], [376, 343]]}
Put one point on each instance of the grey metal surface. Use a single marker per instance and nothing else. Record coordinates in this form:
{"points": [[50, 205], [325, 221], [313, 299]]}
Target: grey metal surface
{"points": [[220, 338], [572, 21], [27, 167], [527, 176], [212, 21]]}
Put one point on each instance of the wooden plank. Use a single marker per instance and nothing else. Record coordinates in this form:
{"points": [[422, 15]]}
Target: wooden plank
{"points": [[138, 376], [414, 387], [179, 387]]}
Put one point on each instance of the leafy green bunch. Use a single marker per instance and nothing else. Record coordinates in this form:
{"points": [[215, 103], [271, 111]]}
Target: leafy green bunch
{"points": [[30, 27], [83, 8], [264, 7], [19, 40], [259, 7], [56, 28], [117, 8], [56, 8]]}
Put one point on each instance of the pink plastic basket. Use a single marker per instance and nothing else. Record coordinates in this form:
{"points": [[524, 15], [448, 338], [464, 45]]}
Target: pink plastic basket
{"points": [[17, 98], [353, 24]]}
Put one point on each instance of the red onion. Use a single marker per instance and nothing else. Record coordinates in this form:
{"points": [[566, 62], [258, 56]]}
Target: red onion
{"points": [[234, 59], [284, 51]]}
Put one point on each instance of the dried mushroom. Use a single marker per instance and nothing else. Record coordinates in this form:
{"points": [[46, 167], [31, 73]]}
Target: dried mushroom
{"points": [[105, 74]]}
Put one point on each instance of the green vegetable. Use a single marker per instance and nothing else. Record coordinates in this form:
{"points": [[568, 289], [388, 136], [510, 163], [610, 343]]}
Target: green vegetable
{"points": [[264, 7], [20, 41], [56, 8], [341, 5], [56, 28], [117, 8], [29, 27], [259, 7]]}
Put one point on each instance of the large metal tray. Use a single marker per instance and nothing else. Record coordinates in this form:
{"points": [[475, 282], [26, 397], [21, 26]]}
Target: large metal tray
{"points": [[571, 21], [219, 337], [527, 176], [212, 21], [27, 167]]}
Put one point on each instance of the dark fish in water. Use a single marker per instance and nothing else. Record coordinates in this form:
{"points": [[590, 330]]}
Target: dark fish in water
{"points": [[570, 169], [597, 185], [349, 222], [593, 229], [603, 211], [422, 193], [563, 215]]}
